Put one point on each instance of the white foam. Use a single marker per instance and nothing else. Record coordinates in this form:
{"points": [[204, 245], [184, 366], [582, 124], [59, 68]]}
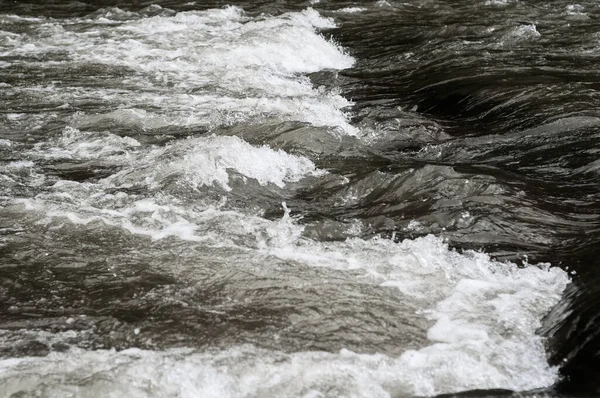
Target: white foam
{"points": [[219, 67], [193, 163], [75, 144], [196, 162], [14, 116], [484, 317], [576, 10], [352, 10], [520, 33], [484, 314], [206, 161], [217, 40], [210, 68], [500, 2], [19, 164]]}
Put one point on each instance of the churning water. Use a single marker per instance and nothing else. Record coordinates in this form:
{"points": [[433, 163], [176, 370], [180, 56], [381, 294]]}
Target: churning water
{"points": [[299, 199]]}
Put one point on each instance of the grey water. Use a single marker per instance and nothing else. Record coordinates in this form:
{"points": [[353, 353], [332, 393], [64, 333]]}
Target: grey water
{"points": [[302, 198]]}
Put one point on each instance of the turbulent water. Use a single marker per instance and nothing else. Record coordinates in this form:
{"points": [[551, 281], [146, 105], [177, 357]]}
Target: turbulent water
{"points": [[299, 199]]}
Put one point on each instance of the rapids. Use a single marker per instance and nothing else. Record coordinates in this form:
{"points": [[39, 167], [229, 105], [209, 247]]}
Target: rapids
{"points": [[299, 199]]}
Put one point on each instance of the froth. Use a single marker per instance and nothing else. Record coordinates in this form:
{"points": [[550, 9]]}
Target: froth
{"points": [[192, 164], [485, 314], [222, 67], [205, 161], [352, 10], [211, 68], [484, 317]]}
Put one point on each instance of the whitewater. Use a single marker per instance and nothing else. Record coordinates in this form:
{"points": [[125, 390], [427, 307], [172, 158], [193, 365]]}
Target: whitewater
{"points": [[172, 186]]}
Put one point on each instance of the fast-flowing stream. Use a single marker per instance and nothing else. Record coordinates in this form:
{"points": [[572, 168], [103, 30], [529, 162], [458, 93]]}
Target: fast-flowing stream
{"points": [[299, 199]]}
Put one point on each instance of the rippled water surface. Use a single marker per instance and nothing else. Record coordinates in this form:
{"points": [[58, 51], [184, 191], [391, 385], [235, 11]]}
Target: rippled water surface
{"points": [[299, 199]]}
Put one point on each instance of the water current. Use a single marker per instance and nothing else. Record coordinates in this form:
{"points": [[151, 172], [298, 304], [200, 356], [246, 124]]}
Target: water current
{"points": [[299, 198]]}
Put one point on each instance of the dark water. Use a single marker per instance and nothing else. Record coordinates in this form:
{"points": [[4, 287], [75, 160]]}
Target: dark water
{"points": [[141, 207]]}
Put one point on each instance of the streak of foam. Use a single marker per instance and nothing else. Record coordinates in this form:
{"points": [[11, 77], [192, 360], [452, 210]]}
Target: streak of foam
{"points": [[77, 145], [352, 10]]}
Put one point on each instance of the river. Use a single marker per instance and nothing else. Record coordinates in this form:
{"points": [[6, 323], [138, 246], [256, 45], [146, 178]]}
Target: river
{"points": [[299, 198]]}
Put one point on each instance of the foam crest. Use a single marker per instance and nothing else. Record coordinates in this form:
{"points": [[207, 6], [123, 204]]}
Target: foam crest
{"points": [[75, 144], [205, 161], [485, 313], [210, 158], [483, 336], [520, 33], [210, 67], [202, 161]]}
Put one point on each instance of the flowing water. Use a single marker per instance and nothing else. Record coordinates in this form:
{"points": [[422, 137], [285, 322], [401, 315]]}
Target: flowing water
{"points": [[299, 199]]}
